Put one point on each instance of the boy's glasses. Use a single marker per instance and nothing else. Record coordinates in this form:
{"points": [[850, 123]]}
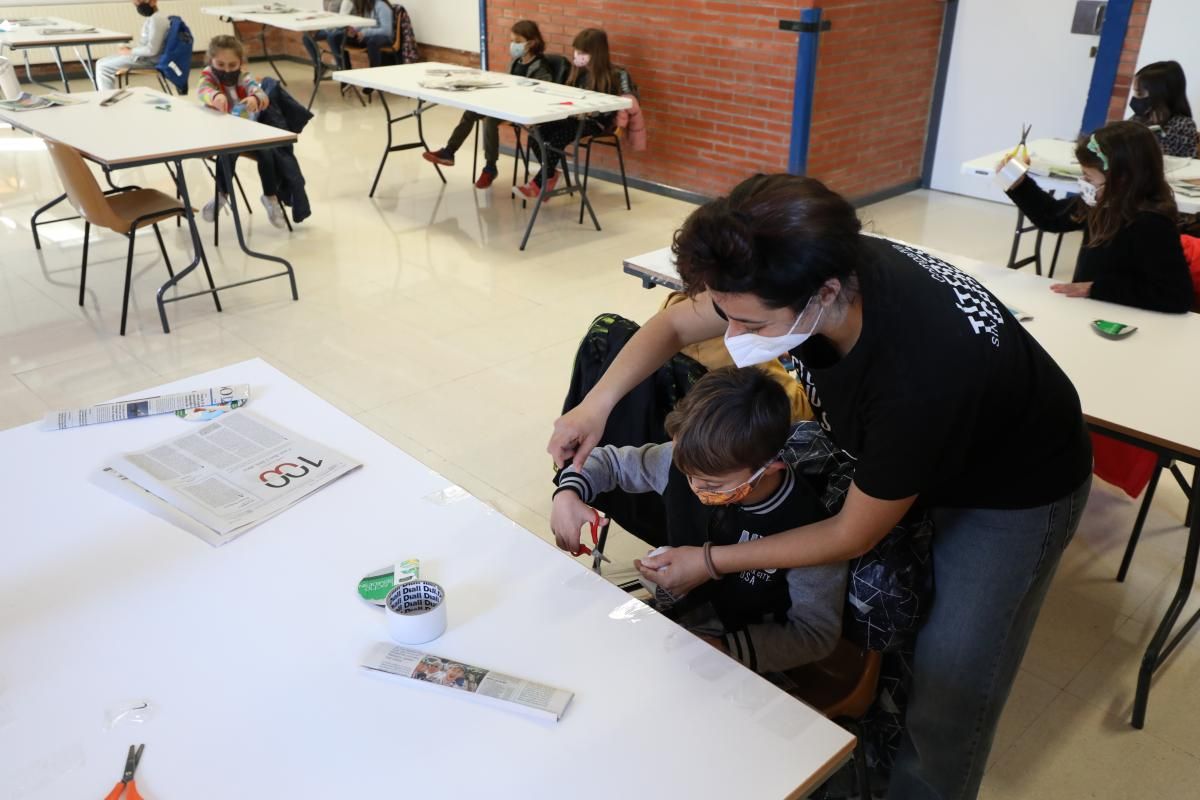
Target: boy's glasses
{"points": [[724, 497]]}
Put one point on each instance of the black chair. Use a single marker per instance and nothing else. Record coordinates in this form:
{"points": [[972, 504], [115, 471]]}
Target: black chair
{"points": [[1036, 258]]}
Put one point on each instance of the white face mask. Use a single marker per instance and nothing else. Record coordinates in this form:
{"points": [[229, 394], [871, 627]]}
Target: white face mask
{"points": [[1089, 193], [748, 349]]}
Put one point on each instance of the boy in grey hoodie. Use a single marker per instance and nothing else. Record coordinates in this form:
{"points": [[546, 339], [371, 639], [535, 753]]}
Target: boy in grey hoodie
{"points": [[722, 482]]}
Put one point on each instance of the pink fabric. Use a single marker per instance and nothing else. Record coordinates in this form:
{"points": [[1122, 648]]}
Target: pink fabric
{"points": [[1191, 250], [634, 123]]}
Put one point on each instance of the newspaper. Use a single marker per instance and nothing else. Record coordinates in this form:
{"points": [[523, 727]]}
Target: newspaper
{"points": [[188, 405], [233, 473], [32, 102], [484, 685]]}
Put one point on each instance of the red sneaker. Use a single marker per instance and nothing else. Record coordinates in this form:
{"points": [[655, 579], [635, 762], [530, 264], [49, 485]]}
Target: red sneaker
{"points": [[485, 178], [531, 190], [438, 157]]}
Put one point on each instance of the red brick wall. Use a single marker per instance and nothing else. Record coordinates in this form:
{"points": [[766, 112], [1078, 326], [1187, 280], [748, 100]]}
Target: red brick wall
{"points": [[716, 83], [1118, 107]]}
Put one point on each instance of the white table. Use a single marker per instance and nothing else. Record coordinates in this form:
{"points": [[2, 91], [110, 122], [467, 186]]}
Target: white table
{"points": [[26, 37], [523, 102], [249, 653], [133, 132], [1059, 155], [299, 21], [1124, 389]]}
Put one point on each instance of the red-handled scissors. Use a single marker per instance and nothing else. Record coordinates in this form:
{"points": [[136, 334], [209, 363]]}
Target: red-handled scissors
{"points": [[127, 781], [599, 527]]}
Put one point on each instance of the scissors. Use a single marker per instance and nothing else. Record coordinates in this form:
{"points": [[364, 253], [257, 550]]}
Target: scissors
{"points": [[127, 781], [1021, 151], [599, 526]]}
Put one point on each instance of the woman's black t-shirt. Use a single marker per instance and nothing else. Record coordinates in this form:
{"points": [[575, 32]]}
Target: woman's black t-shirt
{"points": [[945, 395]]}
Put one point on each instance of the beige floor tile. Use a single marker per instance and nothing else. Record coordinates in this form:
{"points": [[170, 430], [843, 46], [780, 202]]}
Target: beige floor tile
{"points": [[1077, 750], [1029, 699], [83, 381], [1069, 631]]}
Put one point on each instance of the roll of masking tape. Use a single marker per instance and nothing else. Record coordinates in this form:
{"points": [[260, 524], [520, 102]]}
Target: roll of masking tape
{"points": [[653, 588], [1007, 176], [415, 612]]}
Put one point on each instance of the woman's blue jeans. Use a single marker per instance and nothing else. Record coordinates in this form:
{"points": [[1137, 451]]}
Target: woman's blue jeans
{"points": [[991, 570]]}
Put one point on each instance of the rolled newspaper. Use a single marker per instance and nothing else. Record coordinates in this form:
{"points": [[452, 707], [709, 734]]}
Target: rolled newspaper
{"points": [[217, 398]]}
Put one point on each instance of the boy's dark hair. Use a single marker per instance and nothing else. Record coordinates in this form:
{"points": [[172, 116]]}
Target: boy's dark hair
{"points": [[1133, 181], [226, 42], [1166, 88], [731, 419], [778, 237], [528, 30]]}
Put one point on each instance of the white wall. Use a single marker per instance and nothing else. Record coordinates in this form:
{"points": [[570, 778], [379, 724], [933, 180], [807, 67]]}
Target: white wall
{"points": [[1007, 67], [1173, 34], [446, 23]]}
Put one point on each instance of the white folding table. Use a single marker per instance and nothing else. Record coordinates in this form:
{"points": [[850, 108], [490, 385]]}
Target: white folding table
{"points": [[524, 102], [1056, 169], [33, 32], [134, 132], [300, 21], [1124, 389], [248, 655]]}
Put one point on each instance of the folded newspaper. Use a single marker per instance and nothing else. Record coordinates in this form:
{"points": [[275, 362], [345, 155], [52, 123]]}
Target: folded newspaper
{"points": [[228, 475], [484, 685], [461, 83], [194, 404]]}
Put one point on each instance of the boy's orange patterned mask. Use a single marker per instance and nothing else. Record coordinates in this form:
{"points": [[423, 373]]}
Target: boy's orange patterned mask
{"points": [[727, 497]]}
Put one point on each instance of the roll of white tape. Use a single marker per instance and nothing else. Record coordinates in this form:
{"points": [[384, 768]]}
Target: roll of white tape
{"points": [[415, 612], [653, 588], [1007, 176]]}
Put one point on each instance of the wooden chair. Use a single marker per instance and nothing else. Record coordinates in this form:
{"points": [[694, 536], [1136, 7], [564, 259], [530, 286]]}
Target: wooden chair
{"points": [[843, 688], [123, 212]]}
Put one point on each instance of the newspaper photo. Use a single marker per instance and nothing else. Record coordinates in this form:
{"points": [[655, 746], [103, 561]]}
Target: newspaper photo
{"points": [[183, 404], [484, 685], [231, 474]]}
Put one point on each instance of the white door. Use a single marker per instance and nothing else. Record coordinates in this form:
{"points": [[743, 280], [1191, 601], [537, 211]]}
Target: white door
{"points": [[1173, 34], [1011, 63]]}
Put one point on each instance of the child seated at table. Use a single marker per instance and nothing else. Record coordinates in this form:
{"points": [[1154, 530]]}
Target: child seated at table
{"points": [[1131, 252], [144, 55], [225, 87], [591, 69], [722, 482], [373, 39], [1160, 100], [527, 48]]}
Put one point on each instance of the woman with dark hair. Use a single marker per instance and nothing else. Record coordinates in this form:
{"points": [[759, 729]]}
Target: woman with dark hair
{"points": [[1160, 100], [1131, 251], [946, 404], [527, 49]]}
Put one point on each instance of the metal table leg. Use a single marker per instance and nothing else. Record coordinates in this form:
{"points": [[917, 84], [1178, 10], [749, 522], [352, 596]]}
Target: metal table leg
{"points": [[89, 65], [262, 38], [62, 72], [29, 73], [1160, 649], [317, 66], [198, 256], [390, 148]]}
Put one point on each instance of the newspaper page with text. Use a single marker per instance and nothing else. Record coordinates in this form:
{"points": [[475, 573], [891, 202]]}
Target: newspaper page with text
{"points": [[234, 472]]}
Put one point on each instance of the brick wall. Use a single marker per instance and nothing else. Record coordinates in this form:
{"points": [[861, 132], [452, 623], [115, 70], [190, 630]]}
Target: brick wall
{"points": [[1118, 104], [716, 83]]}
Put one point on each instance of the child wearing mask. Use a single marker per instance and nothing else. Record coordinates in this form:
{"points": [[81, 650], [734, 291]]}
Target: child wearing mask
{"points": [[144, 54], [376, 38], [591, 69], [1131, 251], [527, 48], [1160, 100], [722, 482], [226, 88]]}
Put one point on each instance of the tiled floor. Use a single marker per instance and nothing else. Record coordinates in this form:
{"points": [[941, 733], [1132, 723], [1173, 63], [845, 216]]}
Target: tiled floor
{"points": [[419, 316]]}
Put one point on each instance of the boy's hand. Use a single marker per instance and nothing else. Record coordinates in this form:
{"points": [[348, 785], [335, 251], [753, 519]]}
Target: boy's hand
{"points": [[124, 49], [252, 104], [221, 103], [567, 518]]}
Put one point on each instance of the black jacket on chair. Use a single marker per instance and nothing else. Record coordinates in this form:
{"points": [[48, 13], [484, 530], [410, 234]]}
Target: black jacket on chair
{"points": [[285, 112]]}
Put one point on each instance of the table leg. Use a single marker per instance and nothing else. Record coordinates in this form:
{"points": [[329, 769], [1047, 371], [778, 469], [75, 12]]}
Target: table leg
{"points": [[62, 72], [225, 163], [89, 66], [391, 147], [198, 256], [582, 190], [1160, 648], [29, 73], [262, 38], [536, 135], [317, 67]]}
